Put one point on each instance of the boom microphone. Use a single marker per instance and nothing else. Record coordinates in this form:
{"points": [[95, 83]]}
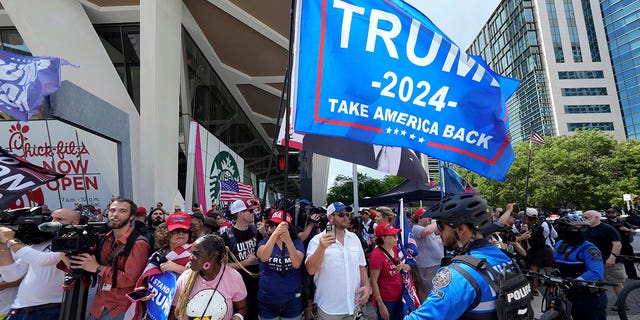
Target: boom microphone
{"points": [[50, 226]]}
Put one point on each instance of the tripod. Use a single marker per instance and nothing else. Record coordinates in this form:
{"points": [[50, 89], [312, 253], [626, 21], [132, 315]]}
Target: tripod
{"points": [[74, 301]]}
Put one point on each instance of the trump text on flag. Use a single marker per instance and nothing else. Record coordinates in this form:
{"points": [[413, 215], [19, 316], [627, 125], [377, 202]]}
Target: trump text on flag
{"points": [[381, 72]]}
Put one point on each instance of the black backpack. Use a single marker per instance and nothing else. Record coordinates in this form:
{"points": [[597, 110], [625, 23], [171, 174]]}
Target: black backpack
{"points": [[511, 285], [537, 240]]}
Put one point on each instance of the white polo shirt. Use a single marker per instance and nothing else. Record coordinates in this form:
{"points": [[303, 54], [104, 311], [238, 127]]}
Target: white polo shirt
{"points": [[339, 275]]}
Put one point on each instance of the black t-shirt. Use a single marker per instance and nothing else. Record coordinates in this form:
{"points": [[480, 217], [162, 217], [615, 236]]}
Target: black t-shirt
{"points": [[624, 236], [602, 237], [246, 245]]}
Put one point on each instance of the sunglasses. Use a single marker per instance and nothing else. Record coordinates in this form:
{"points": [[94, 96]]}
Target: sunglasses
{"points": [[441, 224], [180, 230], [342, 214], [271, 225]]}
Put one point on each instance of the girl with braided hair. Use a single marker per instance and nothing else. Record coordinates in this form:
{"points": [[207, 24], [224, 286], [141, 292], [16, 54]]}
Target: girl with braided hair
{"points": [[210, 289]]}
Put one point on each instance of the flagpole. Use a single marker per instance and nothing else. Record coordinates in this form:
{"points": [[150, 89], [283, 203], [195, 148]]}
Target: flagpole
{"points": [[526, 184], [442, 183], [354, 170], [287, 136]]}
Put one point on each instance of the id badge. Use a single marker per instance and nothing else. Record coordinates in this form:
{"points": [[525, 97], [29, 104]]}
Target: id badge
{"points": [[106, 287]]}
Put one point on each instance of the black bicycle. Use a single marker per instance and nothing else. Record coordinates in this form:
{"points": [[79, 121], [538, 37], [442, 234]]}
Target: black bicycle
{"points": [[628, 302], [555, 305]]}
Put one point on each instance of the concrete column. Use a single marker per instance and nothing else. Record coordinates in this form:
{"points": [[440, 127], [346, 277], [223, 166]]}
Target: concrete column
{"points": [[160, 62]]}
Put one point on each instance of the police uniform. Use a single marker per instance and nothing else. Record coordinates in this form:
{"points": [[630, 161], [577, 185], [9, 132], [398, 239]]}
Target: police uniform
{"points": [[452, 294], [584, 262]]}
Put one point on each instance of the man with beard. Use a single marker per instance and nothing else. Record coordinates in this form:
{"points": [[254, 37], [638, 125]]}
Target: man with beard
{"points": [[336, 261], [577, 258], [156, 218], [119, 261], [460, 219]]}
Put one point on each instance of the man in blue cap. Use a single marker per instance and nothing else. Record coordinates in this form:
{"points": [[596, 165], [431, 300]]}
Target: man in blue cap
{"points": [[339, 260]]}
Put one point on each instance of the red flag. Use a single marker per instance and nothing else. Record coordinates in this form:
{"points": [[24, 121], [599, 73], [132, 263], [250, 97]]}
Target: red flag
{"points": [[231, 190], [535, 137]]}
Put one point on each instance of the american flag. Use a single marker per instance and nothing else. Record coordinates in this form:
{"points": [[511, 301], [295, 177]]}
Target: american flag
{"points": [[535, 137], [231, 190]]}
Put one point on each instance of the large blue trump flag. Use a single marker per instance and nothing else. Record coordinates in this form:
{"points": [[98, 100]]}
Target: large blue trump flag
{"points": [[380, 72], [25, 81]]}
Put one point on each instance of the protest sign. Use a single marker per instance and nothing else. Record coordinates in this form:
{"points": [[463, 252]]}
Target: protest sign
{"points": [[163, 287]]}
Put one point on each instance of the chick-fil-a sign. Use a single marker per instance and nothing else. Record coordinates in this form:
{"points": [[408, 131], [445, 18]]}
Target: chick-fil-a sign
{"points": [[64, 149]]}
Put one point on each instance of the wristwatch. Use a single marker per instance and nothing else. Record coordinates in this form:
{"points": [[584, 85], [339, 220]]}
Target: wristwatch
{"points": [[13, 242], [99, 269]]}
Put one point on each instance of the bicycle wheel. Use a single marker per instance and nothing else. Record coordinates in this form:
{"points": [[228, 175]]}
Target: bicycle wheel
{"points": [[628, 302]]}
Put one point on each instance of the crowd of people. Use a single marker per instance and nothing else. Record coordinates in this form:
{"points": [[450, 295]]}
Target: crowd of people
{"points": [[298, 261]]}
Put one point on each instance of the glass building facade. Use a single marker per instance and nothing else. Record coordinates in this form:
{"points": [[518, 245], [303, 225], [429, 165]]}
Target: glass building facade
{"points": [[622, 25], [509, 43], [552, 47]]}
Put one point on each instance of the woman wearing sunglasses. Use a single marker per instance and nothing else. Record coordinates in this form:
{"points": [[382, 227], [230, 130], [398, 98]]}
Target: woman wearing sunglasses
{"points": [[280, 256], [174, 238], [386, 280]]}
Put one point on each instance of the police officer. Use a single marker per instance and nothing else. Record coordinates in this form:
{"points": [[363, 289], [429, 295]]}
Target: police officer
{"points": [[460, 220], [580, 259]]}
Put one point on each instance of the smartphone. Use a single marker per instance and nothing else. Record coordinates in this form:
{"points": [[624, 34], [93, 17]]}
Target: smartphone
{"points": [[157, 258], [137, 295], [331, 230]]}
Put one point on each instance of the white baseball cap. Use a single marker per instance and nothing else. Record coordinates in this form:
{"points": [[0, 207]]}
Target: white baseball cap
{"points": [[237, 206]]}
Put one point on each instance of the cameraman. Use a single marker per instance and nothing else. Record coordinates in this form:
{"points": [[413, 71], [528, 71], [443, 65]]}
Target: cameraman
{"points": [[40, 292], [119, 261]]}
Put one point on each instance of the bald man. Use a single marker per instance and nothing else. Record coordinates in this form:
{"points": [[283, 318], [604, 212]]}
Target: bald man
{"points": [[607, 239], [40, 292]]}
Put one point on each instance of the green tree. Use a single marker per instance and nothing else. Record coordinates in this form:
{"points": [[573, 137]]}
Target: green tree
{"points": [[588, 170], [342, 189]]}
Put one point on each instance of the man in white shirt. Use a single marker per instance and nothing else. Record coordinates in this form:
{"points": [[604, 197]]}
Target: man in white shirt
{"points": [[339, 268], [40, 292]]}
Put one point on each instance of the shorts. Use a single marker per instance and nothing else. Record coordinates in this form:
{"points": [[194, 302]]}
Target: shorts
{"points": [[615, 274], [291, 309], [422, 277], [541, 258]]}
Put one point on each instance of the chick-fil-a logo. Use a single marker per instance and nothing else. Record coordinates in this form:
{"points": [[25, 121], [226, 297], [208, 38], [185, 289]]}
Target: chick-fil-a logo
{"points": [[20, 146]]}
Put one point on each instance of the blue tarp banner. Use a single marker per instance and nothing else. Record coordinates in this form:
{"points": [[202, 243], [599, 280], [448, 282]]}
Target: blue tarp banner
{"points": [[164, 288], [380, 72]]}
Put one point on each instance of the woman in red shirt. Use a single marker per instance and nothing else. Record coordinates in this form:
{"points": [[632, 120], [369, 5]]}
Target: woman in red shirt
{"points": [[386, 280]]}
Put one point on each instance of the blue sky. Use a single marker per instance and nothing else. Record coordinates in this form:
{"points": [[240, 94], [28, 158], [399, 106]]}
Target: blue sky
{"points": [[461, 20]]}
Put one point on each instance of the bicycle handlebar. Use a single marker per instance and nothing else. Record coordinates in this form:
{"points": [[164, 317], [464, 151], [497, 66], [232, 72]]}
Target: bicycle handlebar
{"points": [[633, 258], [568, 282]]}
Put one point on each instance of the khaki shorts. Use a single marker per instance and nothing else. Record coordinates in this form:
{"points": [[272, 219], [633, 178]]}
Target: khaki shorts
{"points": [[422, 277], [615, 274]]}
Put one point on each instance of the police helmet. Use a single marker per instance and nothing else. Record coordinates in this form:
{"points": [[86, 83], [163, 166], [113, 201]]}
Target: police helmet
{"points": [[572, 221], [461, 208]]}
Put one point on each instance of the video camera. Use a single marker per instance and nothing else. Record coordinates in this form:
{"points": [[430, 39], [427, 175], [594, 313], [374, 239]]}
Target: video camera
{"points": [[74, 239], [25, 221], [507, 234]]}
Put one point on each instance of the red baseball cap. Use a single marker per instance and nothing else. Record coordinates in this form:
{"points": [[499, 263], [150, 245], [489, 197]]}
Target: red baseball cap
{"points": [[142, 211], [418, 213], [279, 216], [178, 220], [385, 229]]}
